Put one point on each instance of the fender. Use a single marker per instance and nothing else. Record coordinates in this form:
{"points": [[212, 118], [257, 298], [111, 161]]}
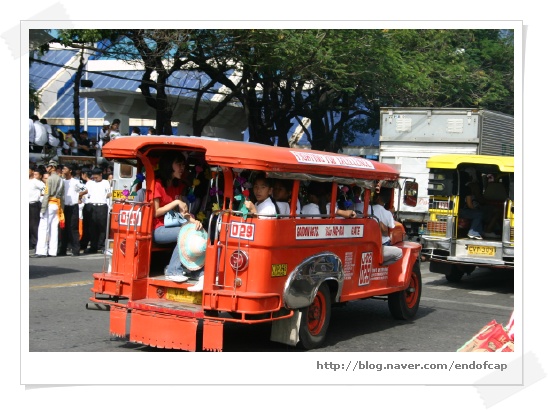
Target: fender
{"points": [[411, 252], [303, 282]]}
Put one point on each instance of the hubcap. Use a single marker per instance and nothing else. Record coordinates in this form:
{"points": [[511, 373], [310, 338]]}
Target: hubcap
{"points": [[316, 314]]}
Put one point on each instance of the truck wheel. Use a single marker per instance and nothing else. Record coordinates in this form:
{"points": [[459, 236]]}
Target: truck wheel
{"points": [[405, 304], [455, 274], [315, 319]]}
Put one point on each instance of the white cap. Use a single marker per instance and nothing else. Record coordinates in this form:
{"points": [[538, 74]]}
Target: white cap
{"points": [[105, 122]]}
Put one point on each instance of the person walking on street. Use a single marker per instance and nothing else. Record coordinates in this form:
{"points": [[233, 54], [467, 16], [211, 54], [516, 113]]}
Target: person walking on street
{"points": [[36, 189], [98, 191], [70, 235], [86, 210], [51, 214]]}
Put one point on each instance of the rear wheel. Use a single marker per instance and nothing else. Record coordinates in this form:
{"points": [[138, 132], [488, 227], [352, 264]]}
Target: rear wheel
{"points": [[405, 304], [315, 319]]}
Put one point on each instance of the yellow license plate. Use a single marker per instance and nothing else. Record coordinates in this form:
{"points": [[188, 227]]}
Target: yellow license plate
{"points": [[117, 194], [279, 270], [183, 295], [481, 250]]}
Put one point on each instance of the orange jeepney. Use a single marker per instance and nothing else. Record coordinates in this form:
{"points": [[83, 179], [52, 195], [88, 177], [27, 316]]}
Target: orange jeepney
{"points": [[289, 269]]}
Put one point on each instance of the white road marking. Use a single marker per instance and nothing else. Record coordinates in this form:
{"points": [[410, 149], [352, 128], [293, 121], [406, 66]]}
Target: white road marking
{"points": [[62, 285], [482, 305], [481, 293]]}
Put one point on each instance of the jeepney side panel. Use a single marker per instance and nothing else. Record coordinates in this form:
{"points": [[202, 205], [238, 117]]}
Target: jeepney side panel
{"points": [[277, 249]]}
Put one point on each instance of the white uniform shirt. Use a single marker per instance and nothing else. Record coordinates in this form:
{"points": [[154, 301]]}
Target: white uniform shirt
{"points": [[40, 133], [97, 191], [385, 217], [114, 134], [86, 185], [53, 141], [266, 208], [285, 208], [311, 209], [32, 135], [36, 189], [73, 187]]}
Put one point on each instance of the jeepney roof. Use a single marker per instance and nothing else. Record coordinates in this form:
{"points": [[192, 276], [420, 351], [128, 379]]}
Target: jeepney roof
{"points": [[452, 161], [246, 155]]}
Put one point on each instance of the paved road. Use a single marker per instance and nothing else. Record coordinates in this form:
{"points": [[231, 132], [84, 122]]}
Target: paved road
{"points": [[449, 315]]}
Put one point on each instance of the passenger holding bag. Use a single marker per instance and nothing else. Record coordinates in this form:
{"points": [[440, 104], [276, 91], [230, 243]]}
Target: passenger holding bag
{"points": [[170, 211], [173, 218]]}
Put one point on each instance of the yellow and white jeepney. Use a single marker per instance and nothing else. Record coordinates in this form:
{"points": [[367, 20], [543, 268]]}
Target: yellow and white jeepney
{"points": [[444, 237]]}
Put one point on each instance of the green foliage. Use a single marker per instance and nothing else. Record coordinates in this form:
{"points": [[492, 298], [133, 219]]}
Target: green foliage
{"points": [[337, 78]]}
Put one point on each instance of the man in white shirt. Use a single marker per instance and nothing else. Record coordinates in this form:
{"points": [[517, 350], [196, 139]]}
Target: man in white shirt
{"points": [[40, 134], [52, 139], [36, 190], [98, 192], [71, 233], [103, 138], [32, 135], [386, 221], [86, 208]]}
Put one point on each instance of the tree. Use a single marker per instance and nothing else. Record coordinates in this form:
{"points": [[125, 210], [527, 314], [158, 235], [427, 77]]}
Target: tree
{"points": [[39, 40], [85, 41], [337, 79]]}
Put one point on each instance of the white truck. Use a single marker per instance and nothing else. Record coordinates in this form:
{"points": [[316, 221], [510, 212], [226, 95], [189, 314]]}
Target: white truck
{"points": [[409, 136]]}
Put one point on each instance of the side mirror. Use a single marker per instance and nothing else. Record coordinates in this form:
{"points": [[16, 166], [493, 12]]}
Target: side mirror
{"points": [[410, 193]]}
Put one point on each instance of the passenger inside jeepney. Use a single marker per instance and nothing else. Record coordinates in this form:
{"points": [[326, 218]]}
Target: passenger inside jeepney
{"points": [[318, 204], [492, 213], [469, 207], [357, 199], [386, 221], [265, 206], [281, 193], [169, 189], [316, 199]]}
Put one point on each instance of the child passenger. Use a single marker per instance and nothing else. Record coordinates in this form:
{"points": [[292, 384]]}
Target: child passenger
{"points": [[265, 207], [281, 193]]}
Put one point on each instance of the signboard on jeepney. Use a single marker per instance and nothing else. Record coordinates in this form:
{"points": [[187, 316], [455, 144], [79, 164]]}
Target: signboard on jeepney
{"points": [[313, 158], [330, 231], [78, 160]]}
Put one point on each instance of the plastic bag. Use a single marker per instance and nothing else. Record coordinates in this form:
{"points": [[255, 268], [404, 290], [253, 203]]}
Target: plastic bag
{"points": [[493, 337]]}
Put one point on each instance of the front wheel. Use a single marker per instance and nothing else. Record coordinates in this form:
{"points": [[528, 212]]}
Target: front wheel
{"points": [[405, 304], [315, 320]]}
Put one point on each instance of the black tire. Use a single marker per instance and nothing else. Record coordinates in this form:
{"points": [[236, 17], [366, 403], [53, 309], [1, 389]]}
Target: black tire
{"points": [[315, 320], [468, 269], [456, 273], [405, 304]]}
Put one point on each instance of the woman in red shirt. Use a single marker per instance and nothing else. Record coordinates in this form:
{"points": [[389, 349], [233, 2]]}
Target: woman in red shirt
{"points": [[168, 195]]}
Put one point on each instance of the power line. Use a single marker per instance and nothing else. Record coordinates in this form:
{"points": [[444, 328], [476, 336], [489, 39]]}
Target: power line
{"points": [[32, 59]]}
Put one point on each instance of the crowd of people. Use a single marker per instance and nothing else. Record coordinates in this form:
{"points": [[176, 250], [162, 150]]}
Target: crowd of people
{"points": [[45, 138], [68, 209]]}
